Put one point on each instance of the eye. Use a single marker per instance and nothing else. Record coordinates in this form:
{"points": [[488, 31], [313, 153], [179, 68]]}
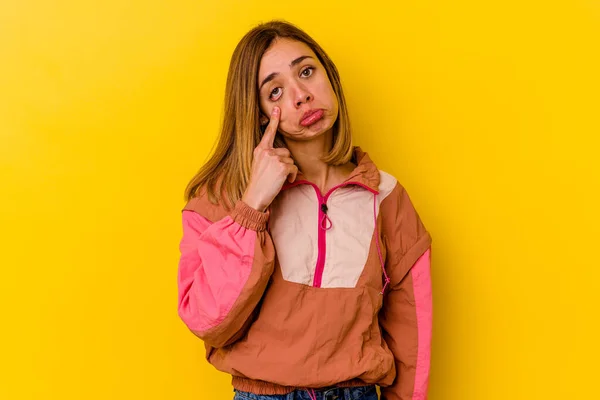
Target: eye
{"points": [[309, 70], [275, 92]]}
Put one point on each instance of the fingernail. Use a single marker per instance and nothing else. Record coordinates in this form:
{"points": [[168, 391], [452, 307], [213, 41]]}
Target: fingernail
{"points": [[275, 110]]}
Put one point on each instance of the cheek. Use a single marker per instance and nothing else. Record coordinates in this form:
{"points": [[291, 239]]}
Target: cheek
{"points": [[288, 112], [264, 108], [284, 125], [326, 93]]}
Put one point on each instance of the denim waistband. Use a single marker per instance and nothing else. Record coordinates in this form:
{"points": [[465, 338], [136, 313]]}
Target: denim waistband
{"points": [[329, 393]]}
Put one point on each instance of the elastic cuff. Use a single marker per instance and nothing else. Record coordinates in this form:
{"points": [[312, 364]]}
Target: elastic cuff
{"points": [[250, 218]]}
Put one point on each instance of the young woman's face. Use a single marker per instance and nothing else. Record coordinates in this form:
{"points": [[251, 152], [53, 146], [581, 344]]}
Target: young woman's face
{"points": [[291, 77]]}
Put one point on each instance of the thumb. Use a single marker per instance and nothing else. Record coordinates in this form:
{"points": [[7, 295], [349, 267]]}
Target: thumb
{"points": [[293, 174]]}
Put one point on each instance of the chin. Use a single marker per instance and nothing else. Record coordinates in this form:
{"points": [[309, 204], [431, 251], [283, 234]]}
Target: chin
{"points": [[307, 135]]}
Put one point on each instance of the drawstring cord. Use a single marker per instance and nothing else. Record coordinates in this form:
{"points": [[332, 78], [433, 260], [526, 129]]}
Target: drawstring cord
{"points": [[312, 394], [387, 278]]}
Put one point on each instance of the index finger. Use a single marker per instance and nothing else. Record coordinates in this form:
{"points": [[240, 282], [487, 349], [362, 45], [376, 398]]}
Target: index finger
{"points": [[269, 135]]}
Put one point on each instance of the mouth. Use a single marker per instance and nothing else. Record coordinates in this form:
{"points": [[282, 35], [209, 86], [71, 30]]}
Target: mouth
{"points": [[312, 116]]}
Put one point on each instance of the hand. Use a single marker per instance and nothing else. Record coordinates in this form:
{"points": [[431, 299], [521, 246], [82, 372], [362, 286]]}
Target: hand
{"points": [[270, 168]]}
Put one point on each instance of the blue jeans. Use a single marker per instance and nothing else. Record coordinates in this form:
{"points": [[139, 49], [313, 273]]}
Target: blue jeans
{"points": [[335, 393]]}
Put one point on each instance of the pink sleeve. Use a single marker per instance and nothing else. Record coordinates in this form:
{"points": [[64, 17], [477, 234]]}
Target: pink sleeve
{"points": [[223, 271], [407, 322]]}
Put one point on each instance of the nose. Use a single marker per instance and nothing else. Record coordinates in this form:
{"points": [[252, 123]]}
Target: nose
{"points": [[301, 95]]}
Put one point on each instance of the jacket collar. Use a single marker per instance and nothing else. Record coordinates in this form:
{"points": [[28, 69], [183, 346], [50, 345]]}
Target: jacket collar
{"points": [[365, 174]]}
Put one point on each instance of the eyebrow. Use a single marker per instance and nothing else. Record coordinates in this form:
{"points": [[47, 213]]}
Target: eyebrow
{"points": [[272, 76]]}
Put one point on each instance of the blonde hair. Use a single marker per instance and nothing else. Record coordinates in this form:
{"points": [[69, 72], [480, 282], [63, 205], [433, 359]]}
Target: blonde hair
{"points": [[226, 174]]}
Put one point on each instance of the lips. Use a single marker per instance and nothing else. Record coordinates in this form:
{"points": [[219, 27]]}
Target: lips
{"points": [[311, 116]]}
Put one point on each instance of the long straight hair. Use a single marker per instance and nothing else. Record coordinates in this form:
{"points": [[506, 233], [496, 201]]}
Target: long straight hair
{"points": [[226, 174]]}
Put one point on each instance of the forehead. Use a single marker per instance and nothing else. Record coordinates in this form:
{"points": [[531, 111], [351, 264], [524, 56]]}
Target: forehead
{"points": [[280, 54]]}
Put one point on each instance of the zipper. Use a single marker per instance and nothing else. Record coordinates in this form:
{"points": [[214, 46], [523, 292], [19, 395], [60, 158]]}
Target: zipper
{"points": [[322, 237]]}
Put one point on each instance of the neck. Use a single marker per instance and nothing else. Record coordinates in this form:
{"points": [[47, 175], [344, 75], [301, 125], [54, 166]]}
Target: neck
{"points": [[307, 157]]}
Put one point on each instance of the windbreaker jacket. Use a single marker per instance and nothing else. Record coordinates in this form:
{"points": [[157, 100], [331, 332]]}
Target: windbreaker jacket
{"points": [[319, 290]]}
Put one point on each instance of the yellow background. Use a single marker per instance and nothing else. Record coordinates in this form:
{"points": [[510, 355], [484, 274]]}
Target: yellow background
{"points": [[487, 112]]}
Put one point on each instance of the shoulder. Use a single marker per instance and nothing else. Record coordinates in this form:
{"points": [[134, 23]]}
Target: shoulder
{"points": [[201, 204], [391, 189], [396, 206], [402, 226], [387, 184]]}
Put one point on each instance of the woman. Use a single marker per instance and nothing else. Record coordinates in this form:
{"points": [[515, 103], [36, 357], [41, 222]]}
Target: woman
{"points": [[304, 269]]}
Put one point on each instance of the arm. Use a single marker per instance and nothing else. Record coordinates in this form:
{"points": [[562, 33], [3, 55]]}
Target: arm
{"points": [[224, 269], [406, 314], [406, 320]]}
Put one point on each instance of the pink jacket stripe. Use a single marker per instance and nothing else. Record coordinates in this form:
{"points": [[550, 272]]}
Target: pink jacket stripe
{"points": [[421, 278]]}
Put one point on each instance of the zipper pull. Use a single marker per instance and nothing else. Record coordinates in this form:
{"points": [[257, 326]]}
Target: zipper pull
{"points": [[326, 223]]}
